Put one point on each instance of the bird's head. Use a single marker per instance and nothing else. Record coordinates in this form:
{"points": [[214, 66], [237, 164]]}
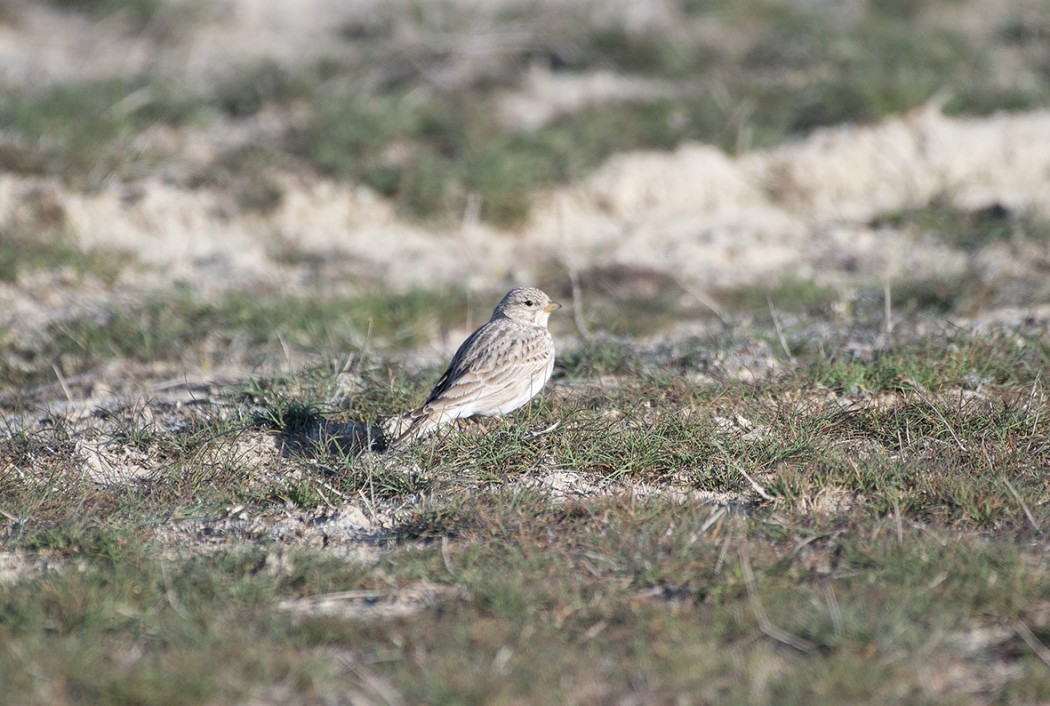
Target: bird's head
{"points": [[526, 304]]}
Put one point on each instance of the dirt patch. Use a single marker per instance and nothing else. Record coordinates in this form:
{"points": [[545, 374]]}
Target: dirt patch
{"points": [[344, 529]]}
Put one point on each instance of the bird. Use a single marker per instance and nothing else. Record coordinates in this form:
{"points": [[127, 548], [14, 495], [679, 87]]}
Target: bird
{"points": [[496, 370]]}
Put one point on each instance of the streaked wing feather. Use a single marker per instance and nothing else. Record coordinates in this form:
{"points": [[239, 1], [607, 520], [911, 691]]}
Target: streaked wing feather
{"points": [[491, 364]]}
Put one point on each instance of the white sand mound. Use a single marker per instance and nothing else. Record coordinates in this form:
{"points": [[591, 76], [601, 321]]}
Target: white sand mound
{"points": [[714, 218], [697, 213]]}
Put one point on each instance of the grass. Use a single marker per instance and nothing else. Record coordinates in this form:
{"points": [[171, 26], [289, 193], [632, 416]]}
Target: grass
{"points": [[190, 329], [970, 230], [106, 7], [964, 362], [454, 148], [790, 293], [632, 601], [102, 142], [54, 250], [163, 19], [901, 540]]}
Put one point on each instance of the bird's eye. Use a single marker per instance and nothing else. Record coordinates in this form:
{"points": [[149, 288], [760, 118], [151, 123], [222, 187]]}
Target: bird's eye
{"points": [[528, 302]]}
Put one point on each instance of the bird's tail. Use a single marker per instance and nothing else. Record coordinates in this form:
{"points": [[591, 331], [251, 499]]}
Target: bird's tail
{"points": [[414, 424]]}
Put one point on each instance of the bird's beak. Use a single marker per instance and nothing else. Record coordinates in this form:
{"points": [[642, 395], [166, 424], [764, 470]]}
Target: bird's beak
{"points": [[553, 306]]}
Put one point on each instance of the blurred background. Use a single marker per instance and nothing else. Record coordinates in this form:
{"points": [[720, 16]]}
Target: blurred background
{"points": [[220, 184]]}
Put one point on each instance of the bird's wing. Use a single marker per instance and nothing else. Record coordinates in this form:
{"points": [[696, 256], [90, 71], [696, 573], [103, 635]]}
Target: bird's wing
{"points": [[490, 366], [462, 361], [491, 363]]}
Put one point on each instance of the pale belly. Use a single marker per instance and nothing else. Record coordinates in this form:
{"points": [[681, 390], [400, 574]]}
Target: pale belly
{"points": [[517, 398]]}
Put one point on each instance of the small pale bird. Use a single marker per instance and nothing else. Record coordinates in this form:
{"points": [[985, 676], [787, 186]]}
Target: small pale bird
{"points": [[499, 368]]}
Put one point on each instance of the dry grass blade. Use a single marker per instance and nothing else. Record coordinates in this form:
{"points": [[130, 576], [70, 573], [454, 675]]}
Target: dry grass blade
{"points": [[887, 314], [1031, 401], [779, 330], [764, 623], [754, 484], [834, 609], [1025, 633], [704, 300], [366, 604], [921, 391], [897, 521], [577, 306], [716, 515], [446, 558], [375, 684], [545, 430], [62, 381], [1024, 506], [737, 467]]}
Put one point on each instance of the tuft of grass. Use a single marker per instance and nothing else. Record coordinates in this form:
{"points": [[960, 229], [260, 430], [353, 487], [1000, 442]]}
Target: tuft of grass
{"points": [[936, 295], [648, 53], [244, 173], [141, 9], [970, 230], [101, 142], [789, 293], [246, 92], [934, 363], [603, 355], [291, 416], [433, 154]]}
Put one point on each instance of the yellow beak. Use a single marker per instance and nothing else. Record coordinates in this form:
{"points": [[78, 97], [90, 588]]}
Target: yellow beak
{"points": [[553, 306]]}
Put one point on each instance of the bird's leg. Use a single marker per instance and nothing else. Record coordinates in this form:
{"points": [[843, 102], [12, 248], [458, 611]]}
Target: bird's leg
{"points": [[488, 424], [480, 423]]}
